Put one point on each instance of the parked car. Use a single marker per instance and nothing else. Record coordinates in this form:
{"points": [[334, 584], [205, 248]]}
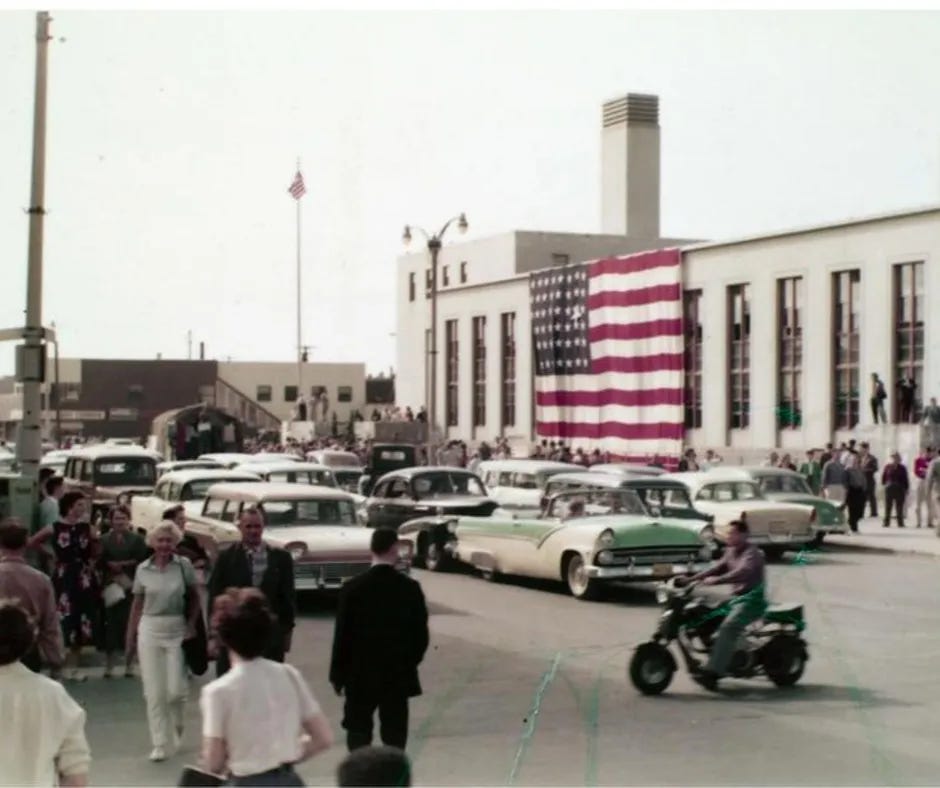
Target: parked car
{"points": [[110, 474], [385, 458], [786, 486], [346, 467], [726, 495], [317, 525], [412, 492], [186, 465], [584, 538], [518, 484], [187, 487]]}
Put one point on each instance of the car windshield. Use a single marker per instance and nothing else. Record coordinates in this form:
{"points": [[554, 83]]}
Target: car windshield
{"points": [[784, 483], [125, 472], [595, 503], [434, 485], [311, 511], [729, 491]]}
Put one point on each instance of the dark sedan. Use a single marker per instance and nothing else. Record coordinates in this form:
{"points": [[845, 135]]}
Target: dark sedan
{"points": [[419, 492]]}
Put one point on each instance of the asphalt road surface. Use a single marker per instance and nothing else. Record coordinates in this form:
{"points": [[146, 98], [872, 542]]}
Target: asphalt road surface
{"points": [[526, 686]]}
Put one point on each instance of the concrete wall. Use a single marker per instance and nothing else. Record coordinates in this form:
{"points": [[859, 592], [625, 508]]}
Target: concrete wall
{"points": [[874, 248], [246, 376]]}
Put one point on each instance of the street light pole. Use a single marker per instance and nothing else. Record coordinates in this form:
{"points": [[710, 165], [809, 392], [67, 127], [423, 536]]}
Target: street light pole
{"points": [[434, 247], [32, 352]]}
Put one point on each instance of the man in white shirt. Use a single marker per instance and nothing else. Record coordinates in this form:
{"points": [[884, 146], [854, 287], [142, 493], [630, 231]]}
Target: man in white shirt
{"points": [[43, 740]]}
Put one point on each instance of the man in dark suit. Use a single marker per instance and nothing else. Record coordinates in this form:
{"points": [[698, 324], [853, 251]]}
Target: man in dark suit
{"points": [[252, 563], [380, 639]]}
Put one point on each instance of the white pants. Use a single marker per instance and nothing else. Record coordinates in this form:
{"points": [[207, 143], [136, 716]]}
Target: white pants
{"points": [[163, 672]]}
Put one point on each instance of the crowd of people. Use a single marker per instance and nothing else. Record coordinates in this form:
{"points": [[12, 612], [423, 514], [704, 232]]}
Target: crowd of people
{"points": [[148, 601]]}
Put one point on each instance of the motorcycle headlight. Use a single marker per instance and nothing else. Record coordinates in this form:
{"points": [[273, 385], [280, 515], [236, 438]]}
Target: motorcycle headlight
{"points": [[605, 557], [606, 538]]}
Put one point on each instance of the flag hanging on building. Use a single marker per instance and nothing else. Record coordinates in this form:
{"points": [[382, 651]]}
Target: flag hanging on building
{"points": [[609, 350], [297, 188]]}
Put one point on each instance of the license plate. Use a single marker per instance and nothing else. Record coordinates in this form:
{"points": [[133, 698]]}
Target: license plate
{"points": [[662, 570]]}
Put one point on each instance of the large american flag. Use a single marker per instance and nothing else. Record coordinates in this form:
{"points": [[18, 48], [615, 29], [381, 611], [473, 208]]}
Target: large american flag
{"points": [[608, 345]]}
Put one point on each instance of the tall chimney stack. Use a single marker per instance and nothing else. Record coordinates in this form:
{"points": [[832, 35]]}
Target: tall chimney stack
{"points": [[630, 166]]}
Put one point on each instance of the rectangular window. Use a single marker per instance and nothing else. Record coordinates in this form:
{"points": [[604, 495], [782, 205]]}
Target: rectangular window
{"points": [[693, 359], [908, 340], [344, 394], [411, 286], [445, 276], [560, 259], [290, 393], [790, 349], [452, 365], [845, 314], [739, 358], [463, 272], [263, 394], [479, 371], [508, 368]]}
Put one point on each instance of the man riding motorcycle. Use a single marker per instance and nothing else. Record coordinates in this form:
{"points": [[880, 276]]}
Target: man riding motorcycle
{"points": [[742, 566]]}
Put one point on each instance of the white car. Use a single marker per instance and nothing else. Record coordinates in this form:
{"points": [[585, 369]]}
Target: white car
{"points": [[518, 484], [316, 525], [187, 487], [727, 495]]}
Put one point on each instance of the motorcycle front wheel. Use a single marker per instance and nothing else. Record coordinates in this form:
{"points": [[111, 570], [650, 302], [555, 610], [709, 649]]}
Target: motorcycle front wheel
{"points": [[651, 668]]}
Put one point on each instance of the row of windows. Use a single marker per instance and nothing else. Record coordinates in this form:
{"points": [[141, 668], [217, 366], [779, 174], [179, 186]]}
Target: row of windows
{"points": [[907, 352], [507, 344], [265, 393]]}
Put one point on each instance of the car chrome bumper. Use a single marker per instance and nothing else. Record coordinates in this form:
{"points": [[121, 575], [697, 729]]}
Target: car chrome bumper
{"points": [[646, 572]]}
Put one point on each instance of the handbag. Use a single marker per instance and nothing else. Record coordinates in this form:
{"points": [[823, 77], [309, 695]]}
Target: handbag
{"points": [[196, 648], [112, 594], [194, 776]]}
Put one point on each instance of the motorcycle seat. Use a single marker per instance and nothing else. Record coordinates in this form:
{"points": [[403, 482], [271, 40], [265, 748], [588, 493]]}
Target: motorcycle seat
{"points": [[784, 613]]}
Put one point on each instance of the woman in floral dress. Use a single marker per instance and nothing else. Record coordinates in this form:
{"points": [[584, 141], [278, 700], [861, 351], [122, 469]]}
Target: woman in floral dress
{"points": [[73, 577]]}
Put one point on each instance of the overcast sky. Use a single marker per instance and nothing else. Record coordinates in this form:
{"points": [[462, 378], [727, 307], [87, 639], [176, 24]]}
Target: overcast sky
{"points": [[173, 138]]}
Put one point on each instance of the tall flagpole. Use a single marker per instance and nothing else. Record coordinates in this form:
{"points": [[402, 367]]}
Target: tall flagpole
{"points": [[300, 363]]}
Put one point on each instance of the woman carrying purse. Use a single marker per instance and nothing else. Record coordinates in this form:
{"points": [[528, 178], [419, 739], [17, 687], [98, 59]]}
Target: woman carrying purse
{"points": [[165, 612]]}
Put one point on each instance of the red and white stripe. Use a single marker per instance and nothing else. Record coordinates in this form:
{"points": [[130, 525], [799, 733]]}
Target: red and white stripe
{"points": [[632, 403], [297, 188]]}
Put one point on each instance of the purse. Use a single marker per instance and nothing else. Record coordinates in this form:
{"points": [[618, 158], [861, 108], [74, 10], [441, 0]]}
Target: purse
{"points": [[194, 776], [196, 648]]}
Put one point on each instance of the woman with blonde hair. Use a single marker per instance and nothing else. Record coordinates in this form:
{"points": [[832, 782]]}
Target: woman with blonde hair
{"points": [[165, 612]]}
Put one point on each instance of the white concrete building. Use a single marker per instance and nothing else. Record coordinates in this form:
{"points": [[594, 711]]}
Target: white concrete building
{"points": [[784, 330]]}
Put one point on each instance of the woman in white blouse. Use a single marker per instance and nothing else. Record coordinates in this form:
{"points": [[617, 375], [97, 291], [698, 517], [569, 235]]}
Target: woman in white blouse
{"points": [[260, 718], [160, 619]]}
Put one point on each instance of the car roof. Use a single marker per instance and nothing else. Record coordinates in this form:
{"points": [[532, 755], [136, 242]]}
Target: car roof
{"points": [[284, 465], [197, 474], [419, 469], [116, 452], [527, 466], [279, 491]]}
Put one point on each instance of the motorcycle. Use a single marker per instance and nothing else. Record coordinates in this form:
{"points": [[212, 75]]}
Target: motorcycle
{"points": [[772, 646]]}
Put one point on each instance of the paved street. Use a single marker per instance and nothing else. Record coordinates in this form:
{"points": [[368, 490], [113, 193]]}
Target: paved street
{"points": [[526, 686]]}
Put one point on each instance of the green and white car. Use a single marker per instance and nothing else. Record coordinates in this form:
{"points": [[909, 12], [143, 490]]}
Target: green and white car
{"points": [[584, 538], [782, 484]]}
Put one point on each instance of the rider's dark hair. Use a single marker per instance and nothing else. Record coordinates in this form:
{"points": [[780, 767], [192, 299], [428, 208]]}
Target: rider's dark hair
{"points": [[740, 526]]}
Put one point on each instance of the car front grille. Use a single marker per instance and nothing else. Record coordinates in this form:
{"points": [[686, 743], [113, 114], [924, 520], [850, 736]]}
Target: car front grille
{"points": [[654, 555]]}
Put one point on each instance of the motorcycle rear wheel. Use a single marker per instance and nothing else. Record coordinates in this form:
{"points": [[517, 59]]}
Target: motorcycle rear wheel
{"points": [[651, 668], [784, 660]]}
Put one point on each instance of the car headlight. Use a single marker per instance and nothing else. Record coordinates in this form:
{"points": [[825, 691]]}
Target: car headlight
{"points": [[297, 550], [605, 557], [606, 538]]}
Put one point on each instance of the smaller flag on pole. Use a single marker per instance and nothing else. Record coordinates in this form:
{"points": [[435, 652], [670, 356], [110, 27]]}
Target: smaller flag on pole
{"points": [[297, 188]]}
